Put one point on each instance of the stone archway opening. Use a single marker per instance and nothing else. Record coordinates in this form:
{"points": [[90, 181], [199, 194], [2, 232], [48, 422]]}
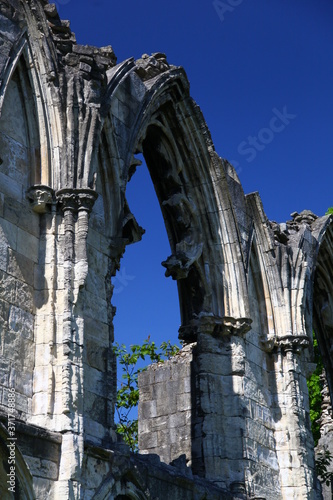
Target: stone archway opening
{"points": [[166, 157], [146, 301], [140, 285]]}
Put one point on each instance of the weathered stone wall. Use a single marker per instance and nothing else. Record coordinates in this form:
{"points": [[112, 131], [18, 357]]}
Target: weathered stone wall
{"points": [[19, 253], [226, 405], [165, 409], [250, 424]]}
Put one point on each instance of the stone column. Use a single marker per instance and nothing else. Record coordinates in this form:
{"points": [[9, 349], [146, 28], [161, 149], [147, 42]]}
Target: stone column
{"points": [[68, 201], [76, 205], [294, 442], [192, 404], [218, 419], [86, 200]]}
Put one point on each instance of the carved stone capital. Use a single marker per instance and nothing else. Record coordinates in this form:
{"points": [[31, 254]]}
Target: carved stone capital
{"points": [[286, 343], [67, 199], [76, 199], [293, 342], [40, 197], [216, 326], [235, 326], [86, 199]]}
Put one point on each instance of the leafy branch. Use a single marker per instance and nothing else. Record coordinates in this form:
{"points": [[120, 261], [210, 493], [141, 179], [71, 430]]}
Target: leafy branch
{"points": [[323, 461], [315, 387], [128, 392]]}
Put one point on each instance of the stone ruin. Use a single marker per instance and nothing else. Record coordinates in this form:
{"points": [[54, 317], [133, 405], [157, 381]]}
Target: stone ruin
{"points": [[228, 417]]}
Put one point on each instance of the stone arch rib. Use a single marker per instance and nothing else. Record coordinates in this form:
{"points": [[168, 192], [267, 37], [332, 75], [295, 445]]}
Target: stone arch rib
{"points": [[159, 118], [323, 299]]}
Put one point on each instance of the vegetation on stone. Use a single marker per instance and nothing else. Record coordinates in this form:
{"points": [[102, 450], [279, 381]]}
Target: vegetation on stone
{"points": [[323, 461], [315, 397], [128, 392]]}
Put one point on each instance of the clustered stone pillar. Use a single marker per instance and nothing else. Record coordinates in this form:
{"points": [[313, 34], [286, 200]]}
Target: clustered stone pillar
{"points": [[76, 205], [60, 327], [68, 202], [219, 422], [294, 442]]}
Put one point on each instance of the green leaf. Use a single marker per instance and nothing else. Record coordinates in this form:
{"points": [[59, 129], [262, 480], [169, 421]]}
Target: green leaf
{"points": [[315, 387], [128, 392]]}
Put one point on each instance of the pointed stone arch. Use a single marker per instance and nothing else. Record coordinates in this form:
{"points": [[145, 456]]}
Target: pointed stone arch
{"points": [[262, 312], [127, 487], [323, 299], [37, 105], [19, 121], [158, 118]]}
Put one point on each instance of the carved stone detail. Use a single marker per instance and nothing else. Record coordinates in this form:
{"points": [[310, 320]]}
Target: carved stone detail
{"points": [[216, 326], [305, 217], [40, 197], [76, 199], [286, 343], [132, 231], [148, 67], [68, 200], [293, 342], [189, 248], [178, 265], [282, 232]]}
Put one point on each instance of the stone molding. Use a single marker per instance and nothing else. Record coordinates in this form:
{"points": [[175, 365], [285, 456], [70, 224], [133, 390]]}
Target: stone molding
{"points": [[216, 326], [76, 199], [69, 199], [40, 197], [286, 343]]}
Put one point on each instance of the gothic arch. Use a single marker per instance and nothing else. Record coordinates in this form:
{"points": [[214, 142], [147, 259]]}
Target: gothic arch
{"points": [[263, 315], [127, 487], [35, 105], [189, 179], [263, 247], [323, 300]]}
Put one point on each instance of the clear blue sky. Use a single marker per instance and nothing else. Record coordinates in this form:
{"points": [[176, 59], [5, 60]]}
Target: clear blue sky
{"points": [[247, 61]]}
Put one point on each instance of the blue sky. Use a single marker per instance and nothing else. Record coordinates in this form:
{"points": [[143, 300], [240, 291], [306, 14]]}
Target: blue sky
{"points": [[248, 61]]}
